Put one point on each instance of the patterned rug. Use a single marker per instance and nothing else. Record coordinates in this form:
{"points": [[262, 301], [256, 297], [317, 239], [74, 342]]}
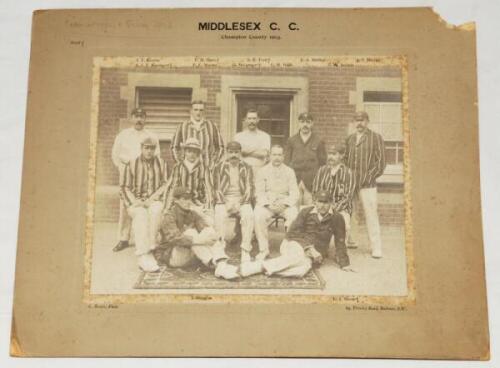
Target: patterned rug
{"points": [[202, 278]]}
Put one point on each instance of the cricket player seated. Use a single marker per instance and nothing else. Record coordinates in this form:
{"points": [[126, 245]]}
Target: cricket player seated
{"points": [[277, 194], [142, 188], [306, 242], [233, 187], [186, 238]]}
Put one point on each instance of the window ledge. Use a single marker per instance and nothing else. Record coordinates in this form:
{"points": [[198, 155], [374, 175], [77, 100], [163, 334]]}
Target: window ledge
{"points": [[393, 175], [391, 179]]}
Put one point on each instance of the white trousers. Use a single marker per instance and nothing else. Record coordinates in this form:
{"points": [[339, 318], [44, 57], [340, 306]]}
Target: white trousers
{"points": [[305, 196], [245, 213], [368, 198], [263, 217], [208, 254], [146, 224], [292, 261], [347, 222]]}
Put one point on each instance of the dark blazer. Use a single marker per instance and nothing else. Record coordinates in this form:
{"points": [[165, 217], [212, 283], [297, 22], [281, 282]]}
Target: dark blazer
{"points": [[305, 158], [308, 231], [174, 222]]}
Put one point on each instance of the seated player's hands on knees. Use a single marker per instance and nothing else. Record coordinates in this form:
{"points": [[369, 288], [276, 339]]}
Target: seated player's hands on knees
{"points": [[232, 208], [281, 207], [272, 208], [276, 208]]}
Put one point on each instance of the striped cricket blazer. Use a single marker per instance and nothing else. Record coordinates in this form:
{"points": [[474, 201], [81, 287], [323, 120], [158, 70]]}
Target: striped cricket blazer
{"points": [[212, 145], [197, 181], [221, 181], [341, 186], [143, 179], [366, 158]]}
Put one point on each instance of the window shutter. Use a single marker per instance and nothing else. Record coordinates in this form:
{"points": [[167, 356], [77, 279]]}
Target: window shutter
{"points": [[166, 108]]}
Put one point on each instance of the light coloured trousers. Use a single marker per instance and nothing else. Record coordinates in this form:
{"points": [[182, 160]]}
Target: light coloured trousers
{"points": [[263, 217], [292, 261], [146, 224], [246, 216], [208, 254], [347, 222], [368, 198], [305, 196]]}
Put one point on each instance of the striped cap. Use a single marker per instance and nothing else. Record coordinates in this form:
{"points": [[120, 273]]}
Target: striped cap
{"points": [[322, 196], [138, 112], [233, 146], [336, 148], [305, 116], [148, 141], [361, 115], [191, 142]]}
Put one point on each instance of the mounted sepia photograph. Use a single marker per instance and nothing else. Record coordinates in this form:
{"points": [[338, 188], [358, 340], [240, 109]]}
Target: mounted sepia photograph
{"points": [[252, 178]]}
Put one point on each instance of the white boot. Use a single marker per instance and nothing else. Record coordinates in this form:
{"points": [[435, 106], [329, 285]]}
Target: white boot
{"points": [[147, 263], [251, 268], [226, 271]]}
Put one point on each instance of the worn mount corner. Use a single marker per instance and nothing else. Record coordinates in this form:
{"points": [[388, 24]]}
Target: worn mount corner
{"points": [[468, 26]]}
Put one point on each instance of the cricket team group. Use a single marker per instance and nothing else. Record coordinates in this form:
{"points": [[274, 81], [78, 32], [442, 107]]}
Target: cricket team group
{"points": [[181, 216]]}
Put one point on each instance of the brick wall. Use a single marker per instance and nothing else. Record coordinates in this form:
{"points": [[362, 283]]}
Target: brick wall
{"points": [[328, 102], [111, 109]]}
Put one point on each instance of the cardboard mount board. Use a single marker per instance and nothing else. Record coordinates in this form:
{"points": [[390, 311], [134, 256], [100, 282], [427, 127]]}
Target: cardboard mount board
{"points": [[411, 72]]}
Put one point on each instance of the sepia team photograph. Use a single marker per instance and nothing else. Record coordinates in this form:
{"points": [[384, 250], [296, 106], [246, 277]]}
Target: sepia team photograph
{"points": [[249, 176]]}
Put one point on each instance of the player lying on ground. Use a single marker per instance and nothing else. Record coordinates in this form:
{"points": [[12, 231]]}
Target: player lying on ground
{"points": [[306, 242]]}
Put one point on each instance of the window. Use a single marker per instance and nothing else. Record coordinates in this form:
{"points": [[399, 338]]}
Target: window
{"points": [[384, 110], [166, 108], [274, 114], [394, 153]]}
